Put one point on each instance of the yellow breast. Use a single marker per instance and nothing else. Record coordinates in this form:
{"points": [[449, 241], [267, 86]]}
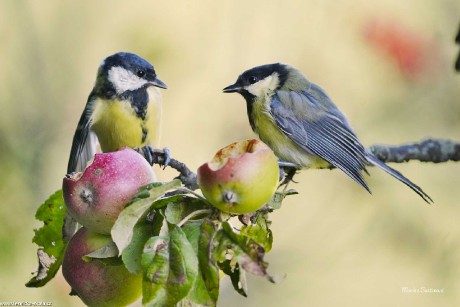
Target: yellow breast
{"points": [[277, 140], [117, 125]]}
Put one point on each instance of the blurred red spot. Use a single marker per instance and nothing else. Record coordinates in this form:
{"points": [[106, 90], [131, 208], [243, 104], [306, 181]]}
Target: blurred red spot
{"points": [[411, 52]]}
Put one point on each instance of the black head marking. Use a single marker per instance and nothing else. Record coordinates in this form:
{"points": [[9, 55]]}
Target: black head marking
{"points": [[252, 76], [129, 61], [256, 74]]}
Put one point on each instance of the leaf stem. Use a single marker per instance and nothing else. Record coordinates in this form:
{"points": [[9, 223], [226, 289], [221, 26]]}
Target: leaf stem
{"points": [[193, 214], [184, 189]]}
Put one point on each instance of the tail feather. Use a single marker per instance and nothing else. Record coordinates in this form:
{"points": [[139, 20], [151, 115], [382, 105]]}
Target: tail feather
{"points": [[373, 159]]}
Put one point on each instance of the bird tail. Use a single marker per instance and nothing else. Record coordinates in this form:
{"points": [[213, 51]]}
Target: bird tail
{"points": [[373, 159]]}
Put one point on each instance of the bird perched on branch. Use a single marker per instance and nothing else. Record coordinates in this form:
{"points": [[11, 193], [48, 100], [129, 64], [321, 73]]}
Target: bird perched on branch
{"points": [[301, 124], [123, 110]]}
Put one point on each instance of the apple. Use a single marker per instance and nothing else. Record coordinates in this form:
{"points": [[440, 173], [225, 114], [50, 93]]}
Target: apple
{"points": [[241, 177], [98, 282], [96, 197]]}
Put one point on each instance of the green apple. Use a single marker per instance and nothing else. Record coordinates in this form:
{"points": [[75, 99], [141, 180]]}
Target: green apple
{"points": [[96, 197], [241, 177], [98, 282]]}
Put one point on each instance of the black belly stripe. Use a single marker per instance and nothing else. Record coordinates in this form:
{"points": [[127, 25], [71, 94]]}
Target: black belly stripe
{"points": [[139, 101], [145, 132]]}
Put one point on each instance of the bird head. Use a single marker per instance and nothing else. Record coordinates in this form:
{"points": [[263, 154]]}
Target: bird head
{"points": [[123, 71], [260, 81]]}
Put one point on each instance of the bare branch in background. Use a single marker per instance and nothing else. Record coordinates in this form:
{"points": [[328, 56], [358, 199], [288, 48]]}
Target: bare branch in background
{"points": [[429, 150]]}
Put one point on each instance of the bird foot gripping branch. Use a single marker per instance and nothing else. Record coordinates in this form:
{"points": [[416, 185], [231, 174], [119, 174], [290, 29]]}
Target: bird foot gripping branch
{"points": [[161, 157], [288, 171]]}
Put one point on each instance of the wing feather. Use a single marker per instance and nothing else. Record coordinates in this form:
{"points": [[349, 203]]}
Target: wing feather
{"points": [[84, 142], [318, 127]]}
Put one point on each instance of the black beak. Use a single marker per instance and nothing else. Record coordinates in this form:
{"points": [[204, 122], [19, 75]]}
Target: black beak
{"points": [[234, 88], [158, 83]]}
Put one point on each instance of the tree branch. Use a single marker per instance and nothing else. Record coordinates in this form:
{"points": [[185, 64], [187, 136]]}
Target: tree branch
{"points": [[162, 158], [429, 150], [187, 177]]}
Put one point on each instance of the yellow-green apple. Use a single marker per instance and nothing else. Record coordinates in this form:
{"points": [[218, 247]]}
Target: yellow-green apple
{"points": [[241, 177]]}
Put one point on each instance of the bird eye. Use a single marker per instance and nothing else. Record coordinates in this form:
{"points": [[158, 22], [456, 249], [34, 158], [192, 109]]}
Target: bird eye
{"points": [[140, 73], [252, 79]]}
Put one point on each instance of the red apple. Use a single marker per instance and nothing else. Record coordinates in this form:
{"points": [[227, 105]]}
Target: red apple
{"points": [[241, 177], [98, 283], [96, 197]]}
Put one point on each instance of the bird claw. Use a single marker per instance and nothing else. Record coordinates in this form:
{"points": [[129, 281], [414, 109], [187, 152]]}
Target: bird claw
{"points": [[287, 171], [166, 157], [155, 155], [288, 176]]}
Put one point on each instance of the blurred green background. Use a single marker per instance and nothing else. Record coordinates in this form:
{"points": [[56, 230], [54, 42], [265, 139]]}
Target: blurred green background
{"points": [[388, 65]]}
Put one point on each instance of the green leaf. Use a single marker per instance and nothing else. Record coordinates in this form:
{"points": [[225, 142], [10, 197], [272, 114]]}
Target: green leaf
{"points": [[49, 239], [122, 230], [170, 268], [144, 192], [163, 202], [177, 210], [259, 231], [199, 293], [192, 232], [242, 252], [237, 276], [208, 266], [133, 252], [108, 251], [143, 230], [155, 262]]}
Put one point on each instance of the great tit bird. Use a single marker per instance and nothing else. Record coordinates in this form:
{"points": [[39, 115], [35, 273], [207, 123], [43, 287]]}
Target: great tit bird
{"points": [[301, 124], [123, 109]]}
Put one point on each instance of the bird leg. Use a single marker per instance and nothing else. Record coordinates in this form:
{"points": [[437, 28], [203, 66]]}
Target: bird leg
{"points": [[287, 171], [155, 155], [163, 157]]}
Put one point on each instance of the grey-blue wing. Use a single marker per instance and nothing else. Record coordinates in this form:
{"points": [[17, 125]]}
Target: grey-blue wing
{"points": [[318, 127], [84, 142]]}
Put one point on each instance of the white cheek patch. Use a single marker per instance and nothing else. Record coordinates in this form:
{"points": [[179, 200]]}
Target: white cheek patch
{"points": [[264, 86], [124, 80]]}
